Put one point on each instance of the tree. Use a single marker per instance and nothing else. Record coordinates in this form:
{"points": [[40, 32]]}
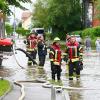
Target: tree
{"points": [[22, 31], [40, 14], [97, 9], [60, 15], [9, 29], [66, 15], [4, 5], [5, 10]]}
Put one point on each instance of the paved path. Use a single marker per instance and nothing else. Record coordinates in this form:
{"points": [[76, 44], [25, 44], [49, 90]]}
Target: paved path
{"points": [[35, 91], [14, 94]]}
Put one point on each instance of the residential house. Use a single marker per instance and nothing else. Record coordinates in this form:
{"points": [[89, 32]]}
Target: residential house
{"points": [[26, 19]]}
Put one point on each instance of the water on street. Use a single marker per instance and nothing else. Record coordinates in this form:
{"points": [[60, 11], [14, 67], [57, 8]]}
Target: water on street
{"points": [[90, 75]]}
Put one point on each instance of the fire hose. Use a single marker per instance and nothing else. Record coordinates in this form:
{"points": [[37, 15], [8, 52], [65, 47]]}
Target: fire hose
{"points": [[19, 49]]}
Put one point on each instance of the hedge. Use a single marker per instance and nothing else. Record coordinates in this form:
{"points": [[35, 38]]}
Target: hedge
{"points": [[92, 32]]}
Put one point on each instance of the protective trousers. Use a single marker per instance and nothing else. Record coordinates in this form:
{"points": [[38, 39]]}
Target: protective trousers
{"points": [[56, 69], [33, 55], [74, 67], [42, 60]]}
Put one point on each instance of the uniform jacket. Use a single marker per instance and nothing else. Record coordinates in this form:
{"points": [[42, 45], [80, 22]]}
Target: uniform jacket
{"points": [[55, 54], [42, 49], [31, 43], [74, 51]]}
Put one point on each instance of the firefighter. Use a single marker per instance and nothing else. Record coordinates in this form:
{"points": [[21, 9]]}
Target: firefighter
{"points": [[74, 52], [68, 37], [55, 59], [32, 47], [42, 51]]}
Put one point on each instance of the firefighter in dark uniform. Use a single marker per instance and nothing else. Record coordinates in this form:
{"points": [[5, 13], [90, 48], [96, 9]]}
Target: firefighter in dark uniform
{"points": [[55, 59], [42, 51], [32, 47], [74, 52]]}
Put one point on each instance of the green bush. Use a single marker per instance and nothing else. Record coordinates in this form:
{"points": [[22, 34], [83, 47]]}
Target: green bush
{"points": [[97, 31], [22, 31], [88, 32], [48, 36], [75, 33], [9, 29], [92, 32]]}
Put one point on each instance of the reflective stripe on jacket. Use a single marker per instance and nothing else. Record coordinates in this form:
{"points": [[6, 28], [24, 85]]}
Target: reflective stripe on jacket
{"points": [[55, 55], [73, 51]]}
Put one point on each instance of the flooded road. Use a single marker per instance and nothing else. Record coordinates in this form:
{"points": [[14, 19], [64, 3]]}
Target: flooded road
{"points": [[90, 78], [90, 75]]}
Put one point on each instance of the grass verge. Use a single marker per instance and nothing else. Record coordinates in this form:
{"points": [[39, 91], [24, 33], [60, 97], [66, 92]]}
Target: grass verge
{"points": [[4, 87]]}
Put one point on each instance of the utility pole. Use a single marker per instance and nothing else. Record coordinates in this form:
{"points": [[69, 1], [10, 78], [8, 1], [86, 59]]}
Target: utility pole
{"points": [[2, 24], [14, 23]]}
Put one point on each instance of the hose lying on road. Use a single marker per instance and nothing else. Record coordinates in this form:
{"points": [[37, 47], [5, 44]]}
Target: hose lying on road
{"points": [[48, 85], [17, 61], [22, 90]]}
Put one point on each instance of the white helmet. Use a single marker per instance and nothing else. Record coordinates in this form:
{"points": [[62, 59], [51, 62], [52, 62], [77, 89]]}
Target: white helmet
{"points": [[56, 39]]}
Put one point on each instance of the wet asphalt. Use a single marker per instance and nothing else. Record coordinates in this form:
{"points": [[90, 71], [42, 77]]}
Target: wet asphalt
{"points": [[90, 78]]}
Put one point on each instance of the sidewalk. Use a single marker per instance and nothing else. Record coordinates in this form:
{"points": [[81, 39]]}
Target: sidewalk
{"points": [[13, 95]]}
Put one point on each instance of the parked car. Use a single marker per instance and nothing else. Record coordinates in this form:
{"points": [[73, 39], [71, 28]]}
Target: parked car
{"points": [[39, 31]]}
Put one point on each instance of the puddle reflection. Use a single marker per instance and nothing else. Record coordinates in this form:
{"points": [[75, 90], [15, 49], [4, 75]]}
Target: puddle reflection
{"points": [[75, 94]]}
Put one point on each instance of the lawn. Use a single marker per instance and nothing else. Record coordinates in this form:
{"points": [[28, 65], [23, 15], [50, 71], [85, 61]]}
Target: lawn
{"points": [[4, 87]]}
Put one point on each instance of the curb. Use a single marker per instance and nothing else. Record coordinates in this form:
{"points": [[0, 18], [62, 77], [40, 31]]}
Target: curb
{"points": [[8, 91]]}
